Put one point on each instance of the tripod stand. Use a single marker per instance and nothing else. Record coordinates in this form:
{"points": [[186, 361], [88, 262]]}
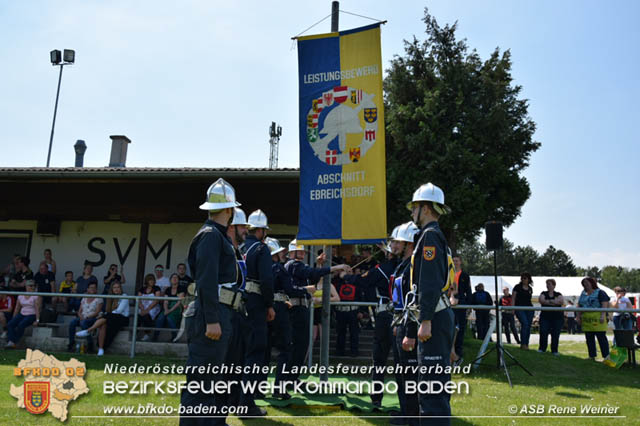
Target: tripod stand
{"points": [[500, 350]]}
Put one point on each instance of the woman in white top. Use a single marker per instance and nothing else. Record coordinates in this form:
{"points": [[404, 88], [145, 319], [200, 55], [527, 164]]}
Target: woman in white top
{"points": [[48, 259], [114, 321], [621, 320], [149, 309]]}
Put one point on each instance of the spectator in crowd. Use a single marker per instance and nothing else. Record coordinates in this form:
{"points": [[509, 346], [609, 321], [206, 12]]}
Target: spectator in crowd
{"points": [[522, 297], [90, 308], [113, 276], [48, 260], [7, 304], [68, 285], [114, 321], [461, 295], [82, 283], [621, 320], [508, 319], [23, 273], [161, 280], [183, 278], [571, 319], [10, 270], [481, 297], [550, 322], [45, 282], [27, 312], [148, 310], [594, 324], [172, 309]]}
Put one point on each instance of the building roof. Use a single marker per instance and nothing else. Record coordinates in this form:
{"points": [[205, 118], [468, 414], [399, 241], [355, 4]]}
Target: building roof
{"points": [[142, 172], [142, 194]]}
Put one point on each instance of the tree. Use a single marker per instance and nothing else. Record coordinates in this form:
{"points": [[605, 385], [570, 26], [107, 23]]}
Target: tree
{"points": [[458, 122], [627, 278], [512, 260], [556, 263], [590, 271]]}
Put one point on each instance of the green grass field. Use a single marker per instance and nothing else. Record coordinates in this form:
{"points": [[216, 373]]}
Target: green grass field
{"points": [[570, 380]]}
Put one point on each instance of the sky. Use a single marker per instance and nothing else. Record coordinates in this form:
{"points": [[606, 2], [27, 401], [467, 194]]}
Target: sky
{"points": [[197, 83]]}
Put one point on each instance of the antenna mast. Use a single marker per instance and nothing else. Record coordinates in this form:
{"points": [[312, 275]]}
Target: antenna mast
{"points": [[275, 132]]}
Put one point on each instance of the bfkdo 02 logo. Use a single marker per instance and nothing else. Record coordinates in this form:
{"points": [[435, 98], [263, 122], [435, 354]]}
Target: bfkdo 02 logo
{"points": [[334, 115], [37, 396]]}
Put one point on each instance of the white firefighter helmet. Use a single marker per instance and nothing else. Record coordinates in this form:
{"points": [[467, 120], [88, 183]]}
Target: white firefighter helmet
{"points": [[258, 219], [394, 233], [239, 217], [293, 245], [387, 247], [430, 192], [406, 232], [274, 245], [220, 195]]}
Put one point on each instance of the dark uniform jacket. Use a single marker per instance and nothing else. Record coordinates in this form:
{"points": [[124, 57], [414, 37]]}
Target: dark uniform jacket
{"points": [[481, 298], [260, 267], [404, 270], [212, 262], [283, 283], [430, 268], [464, 289], [375, 279], [303, 275]]}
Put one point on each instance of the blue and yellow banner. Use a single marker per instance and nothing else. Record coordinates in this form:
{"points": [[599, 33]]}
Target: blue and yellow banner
{"points": [[342, 156]]}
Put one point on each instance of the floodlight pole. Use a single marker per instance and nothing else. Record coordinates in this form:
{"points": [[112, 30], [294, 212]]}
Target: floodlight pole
{"points": [[500, 357], [55, 111], [326, 280]]}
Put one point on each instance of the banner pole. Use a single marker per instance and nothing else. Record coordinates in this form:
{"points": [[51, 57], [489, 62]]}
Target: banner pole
{"points": [[326, 280], [326, 317]]}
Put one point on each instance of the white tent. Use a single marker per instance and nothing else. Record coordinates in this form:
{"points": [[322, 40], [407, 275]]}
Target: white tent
{"points": [[569, 287]]}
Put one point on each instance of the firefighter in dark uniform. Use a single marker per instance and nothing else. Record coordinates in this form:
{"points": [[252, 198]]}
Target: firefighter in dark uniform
{"points": [[237, 232], [303, 276], [347, 317], [402, 243], [208, 318], [431, 274], [281, 327], [259, 304]]}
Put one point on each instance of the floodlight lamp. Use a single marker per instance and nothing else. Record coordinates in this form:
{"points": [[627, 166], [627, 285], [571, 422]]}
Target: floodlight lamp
{"points": [[56, 57], [69, 56]]}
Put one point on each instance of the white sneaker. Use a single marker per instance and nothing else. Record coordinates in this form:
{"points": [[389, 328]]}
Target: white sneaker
{"points": [[10, 344], [82, 333], [146, 338], [100, 352], [3, 335]]}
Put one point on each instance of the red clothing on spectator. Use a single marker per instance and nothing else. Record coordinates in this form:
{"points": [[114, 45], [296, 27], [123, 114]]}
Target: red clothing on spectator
{"points": [[7, 303]]}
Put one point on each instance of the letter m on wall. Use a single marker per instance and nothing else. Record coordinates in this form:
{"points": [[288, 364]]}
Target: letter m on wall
{"points": [[156, 254]]}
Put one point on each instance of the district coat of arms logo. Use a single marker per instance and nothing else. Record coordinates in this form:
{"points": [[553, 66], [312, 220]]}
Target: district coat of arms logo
{"points": [[334, 115], [36, 396], [429, 252]]}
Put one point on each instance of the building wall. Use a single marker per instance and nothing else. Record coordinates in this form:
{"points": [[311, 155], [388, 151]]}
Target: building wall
{"points": [[104, 243]]}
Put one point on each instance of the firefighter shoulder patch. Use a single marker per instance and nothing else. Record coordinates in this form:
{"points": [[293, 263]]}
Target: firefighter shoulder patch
{"points": [[429, 252]]}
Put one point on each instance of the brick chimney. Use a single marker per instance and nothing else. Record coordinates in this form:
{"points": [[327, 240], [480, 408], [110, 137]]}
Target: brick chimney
{"points": [[119, 145]]}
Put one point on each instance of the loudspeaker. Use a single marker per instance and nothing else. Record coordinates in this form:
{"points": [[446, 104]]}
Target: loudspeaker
{"points": [[493, 231], [48, 227]]}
